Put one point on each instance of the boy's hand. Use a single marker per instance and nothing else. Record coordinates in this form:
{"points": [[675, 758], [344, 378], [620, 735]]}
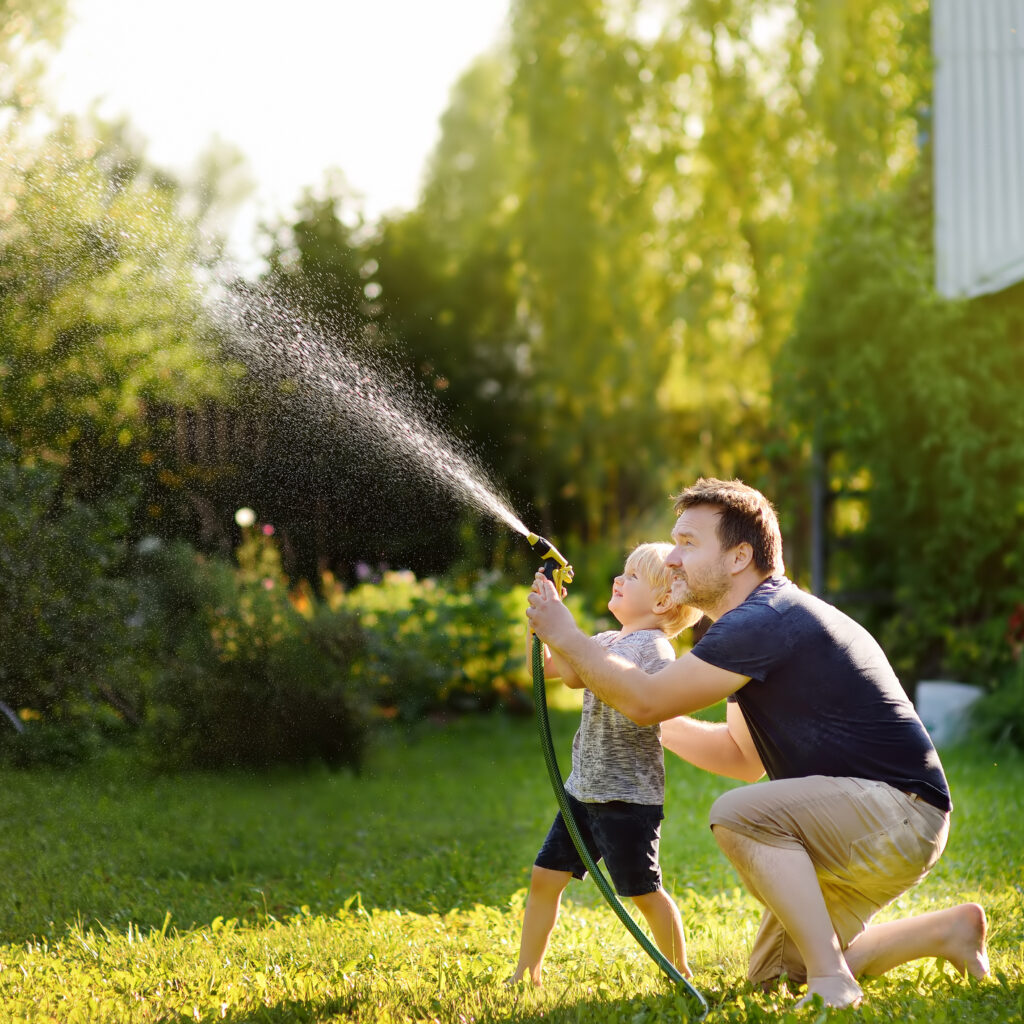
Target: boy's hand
{"points": [[541, 576], [548, 617]]}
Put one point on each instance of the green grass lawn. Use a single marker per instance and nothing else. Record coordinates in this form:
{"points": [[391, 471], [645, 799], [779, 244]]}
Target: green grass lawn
{"points": [[397, 896]]}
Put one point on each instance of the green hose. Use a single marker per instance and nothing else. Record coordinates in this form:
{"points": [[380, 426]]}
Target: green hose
{"points": [[541, 704]]}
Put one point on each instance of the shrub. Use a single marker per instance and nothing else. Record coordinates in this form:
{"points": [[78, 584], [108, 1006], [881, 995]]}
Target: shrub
{"points": [[54, 742], [999, 715], [64, 615], [254, 680], [430, 648], [435, 647]]}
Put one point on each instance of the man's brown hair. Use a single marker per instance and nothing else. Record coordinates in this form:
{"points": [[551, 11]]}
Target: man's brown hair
{"points": [[745, 515]]}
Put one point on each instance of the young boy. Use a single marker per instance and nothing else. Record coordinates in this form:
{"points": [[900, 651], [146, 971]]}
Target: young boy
{"points": [[616, 787]]}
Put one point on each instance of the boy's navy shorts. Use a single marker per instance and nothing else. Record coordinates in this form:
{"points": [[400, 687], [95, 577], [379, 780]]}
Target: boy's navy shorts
{"points": [[625, 835]]}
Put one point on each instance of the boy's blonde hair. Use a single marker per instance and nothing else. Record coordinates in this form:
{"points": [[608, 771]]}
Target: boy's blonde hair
{"points": [[648, 562]]}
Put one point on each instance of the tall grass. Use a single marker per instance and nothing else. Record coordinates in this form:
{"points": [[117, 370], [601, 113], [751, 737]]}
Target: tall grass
{"points": [[397, 895]]}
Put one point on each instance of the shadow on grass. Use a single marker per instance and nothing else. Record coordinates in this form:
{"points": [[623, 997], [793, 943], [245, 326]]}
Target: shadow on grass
{"points": [[945, 999], [674, 1007], [293, 1011]]}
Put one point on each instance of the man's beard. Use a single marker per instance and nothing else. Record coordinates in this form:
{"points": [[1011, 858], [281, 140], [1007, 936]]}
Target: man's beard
{"points": [[704, 591]]}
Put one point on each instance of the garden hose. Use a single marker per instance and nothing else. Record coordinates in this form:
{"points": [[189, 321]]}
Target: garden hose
{"points": [[556, 568]]}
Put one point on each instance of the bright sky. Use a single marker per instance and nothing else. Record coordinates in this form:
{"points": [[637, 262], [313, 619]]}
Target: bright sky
{"points": [[298, 86]]}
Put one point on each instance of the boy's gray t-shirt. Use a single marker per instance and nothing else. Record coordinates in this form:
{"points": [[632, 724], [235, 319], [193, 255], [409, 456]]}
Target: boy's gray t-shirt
{"points": [[612, 757]]}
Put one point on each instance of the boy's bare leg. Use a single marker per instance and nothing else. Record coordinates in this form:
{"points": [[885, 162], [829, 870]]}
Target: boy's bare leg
{"points": [[956, 935], [539, 917], [786, 882], [666, 926]]}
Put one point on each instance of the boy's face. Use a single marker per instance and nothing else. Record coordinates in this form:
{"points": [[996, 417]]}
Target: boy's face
{"points": [[632, 597]]}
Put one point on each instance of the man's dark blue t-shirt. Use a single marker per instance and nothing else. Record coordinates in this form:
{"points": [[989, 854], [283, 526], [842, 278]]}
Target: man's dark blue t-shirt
{"points": [[822, 698]]}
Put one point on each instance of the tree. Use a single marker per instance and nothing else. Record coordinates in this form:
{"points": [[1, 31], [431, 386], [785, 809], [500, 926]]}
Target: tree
{"points": [[446, 273], [916, 399], [29, 30], [101, 324], [101, 315], [590, 270], [425, 302]]}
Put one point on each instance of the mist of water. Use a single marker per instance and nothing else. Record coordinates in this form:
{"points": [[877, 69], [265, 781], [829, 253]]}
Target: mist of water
{"points": [[362, 394], [345, 388]]}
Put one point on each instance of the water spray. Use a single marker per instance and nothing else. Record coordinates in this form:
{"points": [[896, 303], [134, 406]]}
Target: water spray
{"points": [[557, 569]]}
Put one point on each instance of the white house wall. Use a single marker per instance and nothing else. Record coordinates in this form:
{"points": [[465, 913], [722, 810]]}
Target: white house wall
{"points": [[979, 144]]}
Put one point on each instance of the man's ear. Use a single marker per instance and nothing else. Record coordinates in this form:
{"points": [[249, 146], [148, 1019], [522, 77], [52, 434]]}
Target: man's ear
{"points": [[742, 555]]}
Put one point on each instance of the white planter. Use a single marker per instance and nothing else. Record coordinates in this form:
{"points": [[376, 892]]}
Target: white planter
{"points": [[944, 708]]}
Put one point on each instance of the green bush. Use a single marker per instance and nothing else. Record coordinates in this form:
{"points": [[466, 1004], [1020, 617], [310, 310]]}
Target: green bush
{"points": [[226, 664], [256, 677], [259, 673], [64, 616], [55, 742], [999, 716], [432, 648]]}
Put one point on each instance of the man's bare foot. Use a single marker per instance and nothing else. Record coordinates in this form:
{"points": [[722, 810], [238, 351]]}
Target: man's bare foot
{"points": [[837, 990], [963, 944]]}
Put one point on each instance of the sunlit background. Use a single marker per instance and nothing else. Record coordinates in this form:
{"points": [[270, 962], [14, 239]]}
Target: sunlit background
{"points": [[296, 88]]}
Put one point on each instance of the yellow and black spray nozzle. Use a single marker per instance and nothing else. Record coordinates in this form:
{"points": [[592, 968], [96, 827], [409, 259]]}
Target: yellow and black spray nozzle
{"points": [[555, 566]]}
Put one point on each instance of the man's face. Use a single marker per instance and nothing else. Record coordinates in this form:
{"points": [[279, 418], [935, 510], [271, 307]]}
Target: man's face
{"points": [[699, 574]]}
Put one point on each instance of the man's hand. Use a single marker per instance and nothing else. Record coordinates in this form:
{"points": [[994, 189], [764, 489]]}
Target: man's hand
{"points": [[548, 616]]}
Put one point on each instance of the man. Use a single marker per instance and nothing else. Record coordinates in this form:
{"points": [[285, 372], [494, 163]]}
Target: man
{"points": [[857, 807]]}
